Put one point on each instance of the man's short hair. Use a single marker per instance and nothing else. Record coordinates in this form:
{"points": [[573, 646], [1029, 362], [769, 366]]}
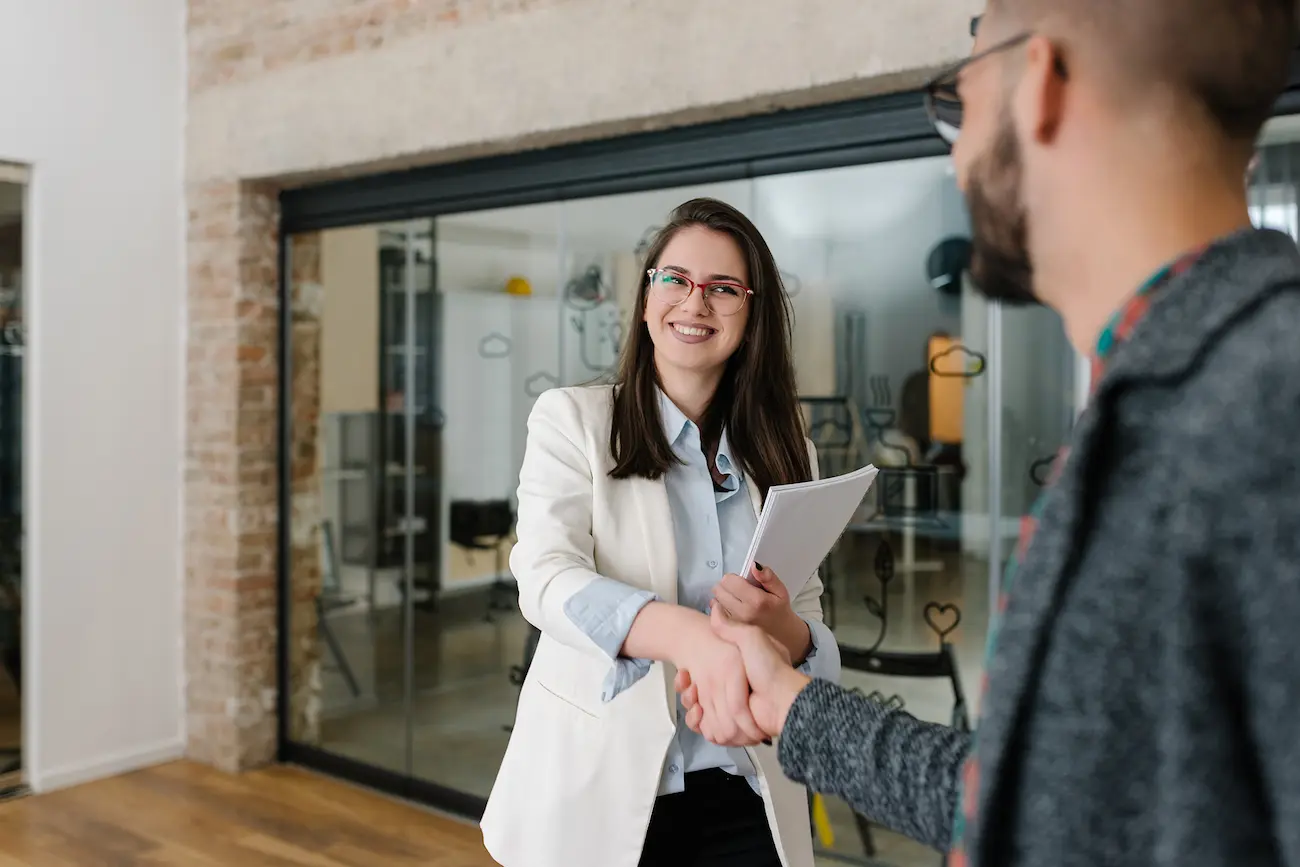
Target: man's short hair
{"points": [[1231, 57]]}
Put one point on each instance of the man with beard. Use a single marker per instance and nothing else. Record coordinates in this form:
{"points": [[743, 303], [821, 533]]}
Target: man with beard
{"points": [[1141, 703]]}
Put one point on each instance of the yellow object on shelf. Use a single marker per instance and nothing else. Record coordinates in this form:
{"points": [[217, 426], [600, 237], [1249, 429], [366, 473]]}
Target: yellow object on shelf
{"points": [[822, 822], [518, 286]]}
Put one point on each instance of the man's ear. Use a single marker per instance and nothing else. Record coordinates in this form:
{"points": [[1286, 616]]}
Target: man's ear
{"points": [[1040, 96]]}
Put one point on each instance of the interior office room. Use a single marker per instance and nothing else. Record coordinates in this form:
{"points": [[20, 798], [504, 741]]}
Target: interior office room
{"points": [[414, 656], [268, 345]]}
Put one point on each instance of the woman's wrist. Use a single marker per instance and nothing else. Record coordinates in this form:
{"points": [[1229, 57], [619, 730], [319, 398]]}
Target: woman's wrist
{"points": [[690, 631], [796, 636], [664, 632]]}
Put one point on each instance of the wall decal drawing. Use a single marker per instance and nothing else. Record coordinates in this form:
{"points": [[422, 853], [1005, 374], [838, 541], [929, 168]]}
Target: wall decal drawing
{"points": [[494, 345], [540, 382], [958, 362]]}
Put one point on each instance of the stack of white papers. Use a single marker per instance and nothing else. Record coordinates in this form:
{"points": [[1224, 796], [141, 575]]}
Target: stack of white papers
{"points": [[800, 524]]}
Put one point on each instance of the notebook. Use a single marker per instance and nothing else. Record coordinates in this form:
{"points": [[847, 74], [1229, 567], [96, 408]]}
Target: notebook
{"points": [[800, 524]]}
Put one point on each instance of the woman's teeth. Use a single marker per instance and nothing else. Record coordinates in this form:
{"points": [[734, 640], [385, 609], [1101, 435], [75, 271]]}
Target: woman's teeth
{"points": [[692, 331]]}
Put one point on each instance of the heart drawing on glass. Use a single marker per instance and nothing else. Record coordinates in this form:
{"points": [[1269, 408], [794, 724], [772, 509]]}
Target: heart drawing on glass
{"points": [[943, 619]]}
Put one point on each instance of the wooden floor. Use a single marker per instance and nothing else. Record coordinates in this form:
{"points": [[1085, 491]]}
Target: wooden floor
{"points": [[186, 814]]}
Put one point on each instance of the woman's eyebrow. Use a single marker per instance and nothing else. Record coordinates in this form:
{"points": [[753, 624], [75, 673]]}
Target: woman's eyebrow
{"points": [[712, 278]]}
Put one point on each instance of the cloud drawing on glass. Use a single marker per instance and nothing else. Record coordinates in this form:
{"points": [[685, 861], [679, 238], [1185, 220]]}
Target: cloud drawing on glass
{"points": [[539, 382], [494, 345], [958, 362]]}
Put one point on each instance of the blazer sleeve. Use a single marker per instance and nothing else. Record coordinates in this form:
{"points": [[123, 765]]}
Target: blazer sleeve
{"points": [[553, 559], [824, 660]]}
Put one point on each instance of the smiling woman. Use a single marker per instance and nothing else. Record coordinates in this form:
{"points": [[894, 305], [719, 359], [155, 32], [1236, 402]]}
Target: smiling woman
{"points": [[637, 502]]}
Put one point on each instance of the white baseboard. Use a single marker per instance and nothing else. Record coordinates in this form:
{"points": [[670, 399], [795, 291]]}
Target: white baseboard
{"points": [[109, 766]]}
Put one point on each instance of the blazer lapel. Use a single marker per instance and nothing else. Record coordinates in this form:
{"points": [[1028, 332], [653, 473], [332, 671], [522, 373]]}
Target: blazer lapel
{"points": [[657, 534], [661, 556]]}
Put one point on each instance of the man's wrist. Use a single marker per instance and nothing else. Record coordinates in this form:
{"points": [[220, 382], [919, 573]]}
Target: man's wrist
{"points": [[789, 685]]}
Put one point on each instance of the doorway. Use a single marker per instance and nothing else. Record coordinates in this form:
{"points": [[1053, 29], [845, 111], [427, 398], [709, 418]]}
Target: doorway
{"points": [[12, 340]]}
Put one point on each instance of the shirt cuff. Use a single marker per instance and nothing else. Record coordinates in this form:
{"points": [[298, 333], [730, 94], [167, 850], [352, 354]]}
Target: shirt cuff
{"points": [[823, 660], [604, 610]]}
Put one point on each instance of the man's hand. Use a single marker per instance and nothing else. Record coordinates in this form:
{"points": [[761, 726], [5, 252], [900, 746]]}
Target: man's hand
{"points": [[763, 601], [717, 674], [774, 684]]}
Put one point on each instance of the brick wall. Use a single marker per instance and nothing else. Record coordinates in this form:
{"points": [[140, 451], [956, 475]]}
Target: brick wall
{"points": [[283, 91], [230, 474]]}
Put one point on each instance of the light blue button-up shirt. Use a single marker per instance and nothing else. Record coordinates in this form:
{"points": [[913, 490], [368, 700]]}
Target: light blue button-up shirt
{"points": [[713, 529]]}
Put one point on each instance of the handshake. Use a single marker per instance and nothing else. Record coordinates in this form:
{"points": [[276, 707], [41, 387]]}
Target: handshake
{"points": [[738, 684]]}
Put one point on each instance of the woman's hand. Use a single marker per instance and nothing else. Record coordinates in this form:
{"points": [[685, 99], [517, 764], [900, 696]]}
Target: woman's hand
{"points": [[766, 606], [716, 670], [775, 684]]}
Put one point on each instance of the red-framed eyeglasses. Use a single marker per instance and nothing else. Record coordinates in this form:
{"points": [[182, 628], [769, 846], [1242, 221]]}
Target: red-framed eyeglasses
{"points": [[723, 297]]}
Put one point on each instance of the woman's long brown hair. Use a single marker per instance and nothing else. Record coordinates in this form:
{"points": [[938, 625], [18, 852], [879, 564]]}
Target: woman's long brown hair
{"points": [[757, 401]]}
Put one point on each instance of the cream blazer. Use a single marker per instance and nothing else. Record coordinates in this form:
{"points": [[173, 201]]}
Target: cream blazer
{"points": [[580, 776]]}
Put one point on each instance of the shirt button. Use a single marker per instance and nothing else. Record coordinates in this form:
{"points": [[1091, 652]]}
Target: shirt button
{"points": [[672, 769], [713, 564]]}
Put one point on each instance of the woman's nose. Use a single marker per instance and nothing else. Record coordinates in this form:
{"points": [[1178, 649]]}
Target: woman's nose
{"points": [[695, 303]]}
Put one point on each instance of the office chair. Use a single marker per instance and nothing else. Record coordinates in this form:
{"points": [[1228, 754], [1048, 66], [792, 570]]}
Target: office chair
{"points": [[485, 525]]}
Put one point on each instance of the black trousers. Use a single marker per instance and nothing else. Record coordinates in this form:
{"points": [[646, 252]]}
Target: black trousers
{"points": [[717, 822]]}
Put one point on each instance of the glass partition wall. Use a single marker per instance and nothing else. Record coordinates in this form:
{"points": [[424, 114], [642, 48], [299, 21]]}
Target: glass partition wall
{"points": [[418, 349]]}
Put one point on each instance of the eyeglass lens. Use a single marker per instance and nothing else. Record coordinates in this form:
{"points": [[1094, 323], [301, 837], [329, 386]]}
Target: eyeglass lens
{"points": [[722, 298]]}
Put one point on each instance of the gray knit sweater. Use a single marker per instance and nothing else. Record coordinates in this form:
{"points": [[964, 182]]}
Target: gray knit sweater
{"points": [[1144, 698]]}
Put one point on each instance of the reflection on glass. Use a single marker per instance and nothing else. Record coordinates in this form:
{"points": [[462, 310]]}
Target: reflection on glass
{"points": [[12, 343]]}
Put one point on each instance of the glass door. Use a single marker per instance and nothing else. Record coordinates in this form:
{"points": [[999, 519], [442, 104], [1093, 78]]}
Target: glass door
{"points": [[497, 286], [365, 433]]}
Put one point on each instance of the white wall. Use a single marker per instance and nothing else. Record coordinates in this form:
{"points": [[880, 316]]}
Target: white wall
{"points": [[93, 101]]}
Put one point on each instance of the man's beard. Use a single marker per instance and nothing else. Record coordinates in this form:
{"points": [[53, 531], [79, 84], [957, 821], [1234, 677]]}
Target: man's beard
{"points": [[1000, 265]]}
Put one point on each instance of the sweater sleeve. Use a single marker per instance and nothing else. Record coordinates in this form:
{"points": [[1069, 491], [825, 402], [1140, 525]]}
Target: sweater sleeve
{"points": [[889, 766]]}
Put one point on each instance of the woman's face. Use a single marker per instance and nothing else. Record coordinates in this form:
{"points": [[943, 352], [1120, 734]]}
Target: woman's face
{"points": [[689, 336]]}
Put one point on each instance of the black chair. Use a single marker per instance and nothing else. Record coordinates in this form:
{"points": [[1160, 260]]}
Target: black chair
{"points": [[485, 525]]}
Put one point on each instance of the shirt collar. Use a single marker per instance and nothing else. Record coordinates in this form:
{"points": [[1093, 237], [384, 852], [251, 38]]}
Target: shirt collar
{"points": [[676, 424], [1125, 320], [674, 420]]}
